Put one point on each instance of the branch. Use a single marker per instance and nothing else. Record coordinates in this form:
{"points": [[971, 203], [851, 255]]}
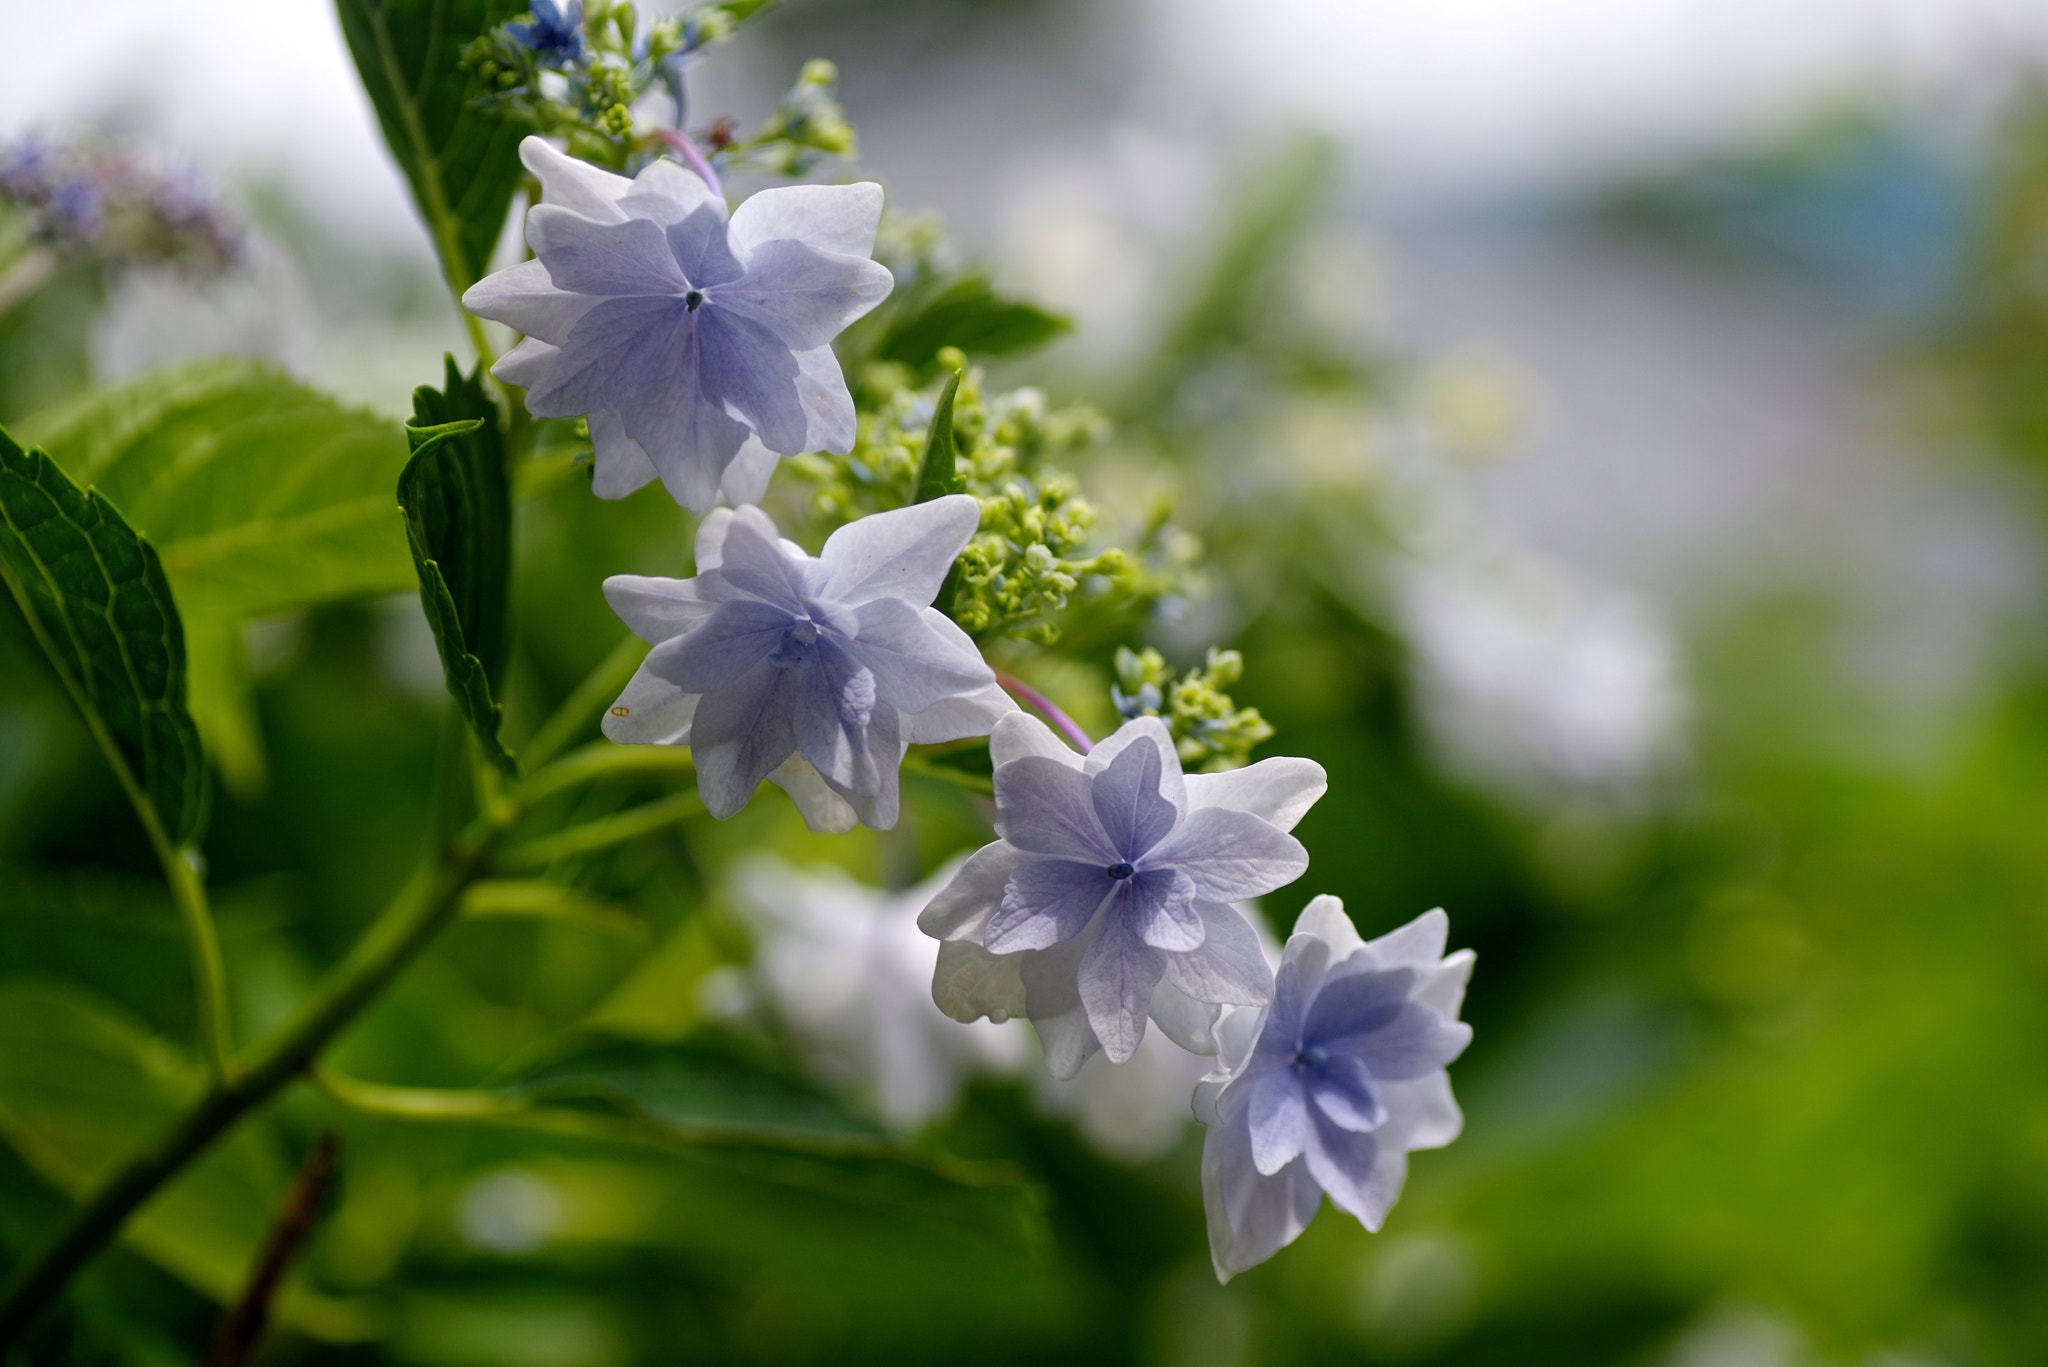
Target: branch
{"points": [[245, 1321]]}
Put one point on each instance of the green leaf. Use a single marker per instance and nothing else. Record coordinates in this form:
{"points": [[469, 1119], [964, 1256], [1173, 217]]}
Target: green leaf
{"points": [[95, 596], [699, 1089], [462, 504], [458, 524], [967, 313], [461, 162], [82, 1085], [261, 495], [938, 473]]}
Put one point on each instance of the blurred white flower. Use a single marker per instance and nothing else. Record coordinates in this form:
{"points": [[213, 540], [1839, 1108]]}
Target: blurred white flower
{"points": [[1134, 1111], [1537, 678], [846, 969]]}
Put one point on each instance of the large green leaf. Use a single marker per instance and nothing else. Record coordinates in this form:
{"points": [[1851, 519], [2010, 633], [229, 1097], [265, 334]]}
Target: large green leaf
{"points": [[461, 162], [261, 495], [82, 1085], [458, 524], [95, 595]]}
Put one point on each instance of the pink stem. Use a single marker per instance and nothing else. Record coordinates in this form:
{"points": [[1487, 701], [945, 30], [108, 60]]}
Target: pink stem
{"points": [[682, 146], [1044, 706]]}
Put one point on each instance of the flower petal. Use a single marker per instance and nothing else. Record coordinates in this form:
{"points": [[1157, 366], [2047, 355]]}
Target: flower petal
{"points": [[698, 243], [668, 192], [970, 982], [1360, 1176], [824, 811], [524, 364], [1342, 1089], [1278, 790], [751, 561], [622, 463], [904, 553], [1160, 909], [1278, 1117], [1052, 998], [747, 368], [1116, 978], [970, 714], [741, 734], [1251, 1217], [657, 609], [919, 659], [964, 905], [1018, 734], [829, 422], [1419, 944], [746, 479], [1416, 1043], [1043, 807], [525, 298], [572, 182], [1442, 988], [1126, 797], [1230, 967], [735, 639], [1356, 1005], [615, 260], [878, 751], [652, 711], [684, 430], [620, 351], [1188, 1023], [803, 296], [831, 218], [1324, 917], [1045, 902], [1230, 855], [1421, 1114], [1153, 732]]}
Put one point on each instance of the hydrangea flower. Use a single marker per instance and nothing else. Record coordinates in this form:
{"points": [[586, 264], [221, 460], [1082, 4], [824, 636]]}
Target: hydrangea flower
{"points": [[815, 674], [1107, 900], [555, 35], [1326, 1091], [697, 346], [845, 968]]}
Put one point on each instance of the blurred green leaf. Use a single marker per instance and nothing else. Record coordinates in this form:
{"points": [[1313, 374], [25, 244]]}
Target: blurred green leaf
{"points": [[964, 312], [82, 1085], [699, 1089], [938, 474], [95, 595], [263, 496], [458, 524], [461, 162]]}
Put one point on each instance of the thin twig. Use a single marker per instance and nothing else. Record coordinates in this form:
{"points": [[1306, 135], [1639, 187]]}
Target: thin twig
{"points": [[242, 1327], [682, 146]]}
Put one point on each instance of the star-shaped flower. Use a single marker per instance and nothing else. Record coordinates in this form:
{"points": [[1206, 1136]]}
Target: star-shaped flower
{"points": [[1327, 1090], [1107, 900], [697, 346], [813, 673]]}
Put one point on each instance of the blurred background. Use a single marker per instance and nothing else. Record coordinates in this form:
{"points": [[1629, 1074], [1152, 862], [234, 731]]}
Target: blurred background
{"points": [[1616, 430]]}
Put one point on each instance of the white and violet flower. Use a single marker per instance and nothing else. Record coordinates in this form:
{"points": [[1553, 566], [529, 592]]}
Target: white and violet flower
{"points": [[1107, 900], [1327, 1090], [698, 346], [813, 673]]}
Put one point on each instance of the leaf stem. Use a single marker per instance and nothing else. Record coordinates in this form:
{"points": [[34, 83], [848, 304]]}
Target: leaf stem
{"points": [[429, 899], [1045, 707], [602, 833]]}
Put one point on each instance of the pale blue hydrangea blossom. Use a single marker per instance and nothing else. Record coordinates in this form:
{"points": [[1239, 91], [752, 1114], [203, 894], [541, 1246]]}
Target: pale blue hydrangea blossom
{"points": [[1107, 900], [1327, 1090], [813, 673], [698, 347]]}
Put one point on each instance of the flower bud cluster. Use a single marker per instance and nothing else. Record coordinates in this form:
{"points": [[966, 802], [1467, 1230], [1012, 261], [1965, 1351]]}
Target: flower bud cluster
{"points": [[578, 71], [1210, 733], [1031, 555]]}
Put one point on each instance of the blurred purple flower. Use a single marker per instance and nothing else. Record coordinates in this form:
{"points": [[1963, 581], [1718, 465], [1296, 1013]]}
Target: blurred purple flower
{"points": [[814, 674], [1107, 900], [1327, 1090], [698, 347]]}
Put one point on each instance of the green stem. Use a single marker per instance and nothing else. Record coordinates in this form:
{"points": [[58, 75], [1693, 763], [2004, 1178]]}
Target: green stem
{"points": [[602, 759], [209, 970], [602, 833], [427, 902], [598, 688], [411, 1103]]}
